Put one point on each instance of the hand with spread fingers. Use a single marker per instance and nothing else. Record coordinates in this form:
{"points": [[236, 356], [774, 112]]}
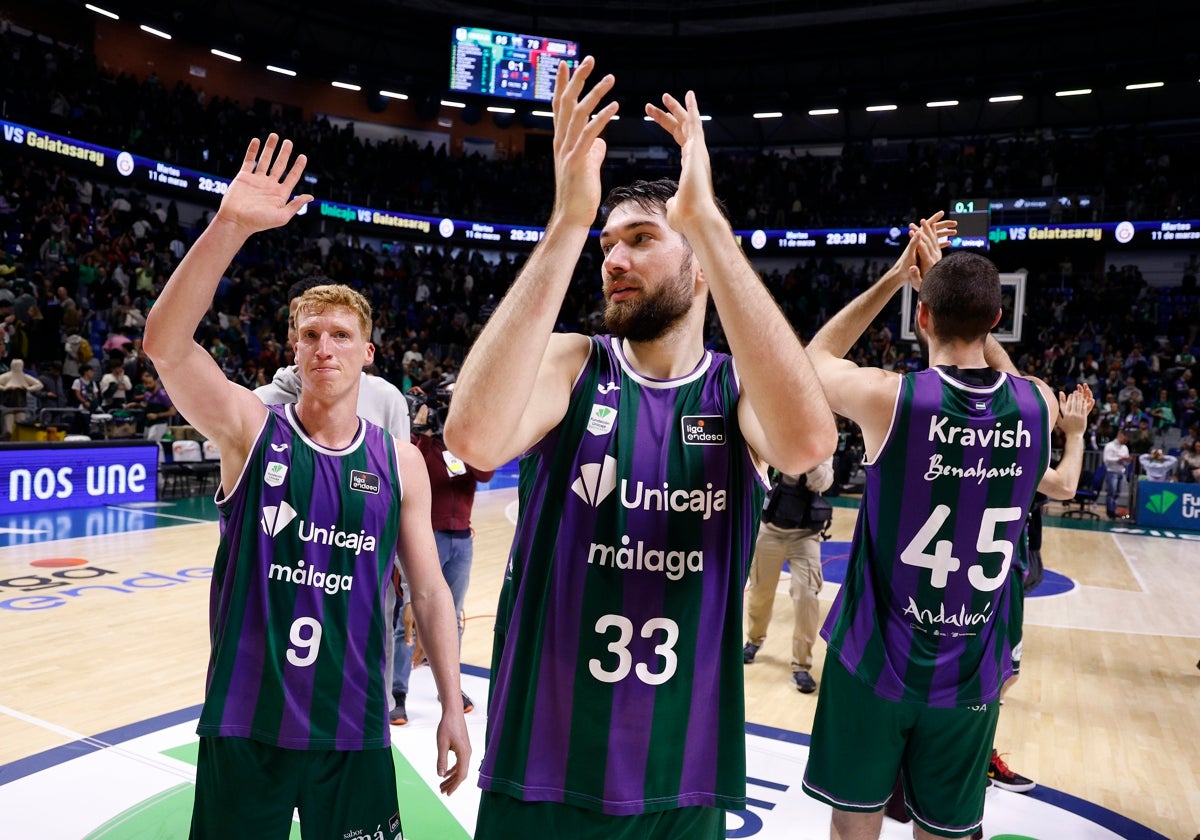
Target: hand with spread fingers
{"points": [[259, 198], [579, 149], [695, 196]]}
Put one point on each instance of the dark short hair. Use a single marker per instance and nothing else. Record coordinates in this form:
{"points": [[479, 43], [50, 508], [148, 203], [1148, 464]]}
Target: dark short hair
{"points": [[962, 293], [651, 196], [305, 283]]}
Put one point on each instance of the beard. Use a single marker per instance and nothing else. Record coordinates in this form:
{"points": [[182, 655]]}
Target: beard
{"points": [[651, 315]]}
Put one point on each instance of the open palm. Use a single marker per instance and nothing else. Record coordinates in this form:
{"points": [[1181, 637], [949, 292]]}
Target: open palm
{"points": [[682, 120], [258, 198]]}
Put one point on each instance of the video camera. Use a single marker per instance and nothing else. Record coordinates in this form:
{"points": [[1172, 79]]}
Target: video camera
{"points": [[435, 395]]}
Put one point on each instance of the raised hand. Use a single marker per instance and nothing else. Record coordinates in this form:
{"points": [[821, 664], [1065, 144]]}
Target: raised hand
{"points": [[578, 148], [1074, 409], [1085, 391], [682, 122], [925, 244], [258, 198]]}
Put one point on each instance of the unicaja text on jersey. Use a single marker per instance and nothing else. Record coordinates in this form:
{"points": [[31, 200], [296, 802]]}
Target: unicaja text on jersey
{"points": [[704, 502]]}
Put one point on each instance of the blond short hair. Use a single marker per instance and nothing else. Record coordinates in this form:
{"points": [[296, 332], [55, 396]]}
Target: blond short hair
{"points": [[319, 298]]}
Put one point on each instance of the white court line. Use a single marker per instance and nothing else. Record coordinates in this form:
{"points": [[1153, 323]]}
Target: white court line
{"points": [[166, 764], [1129, 562], [190, 519]]}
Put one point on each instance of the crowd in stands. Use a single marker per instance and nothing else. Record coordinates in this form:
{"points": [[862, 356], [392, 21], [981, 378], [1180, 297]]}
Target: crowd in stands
{"points": [[1127, 174], [82, 262]]}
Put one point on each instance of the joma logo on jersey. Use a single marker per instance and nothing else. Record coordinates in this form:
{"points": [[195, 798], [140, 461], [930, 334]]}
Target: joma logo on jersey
{"points": [[704, 430], [275, 519], [940, 431]]}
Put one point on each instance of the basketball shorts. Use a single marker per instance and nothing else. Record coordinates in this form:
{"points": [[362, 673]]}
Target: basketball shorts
{"points": [[861, 743], [502, 817], [245, 788], [1016, 621]]}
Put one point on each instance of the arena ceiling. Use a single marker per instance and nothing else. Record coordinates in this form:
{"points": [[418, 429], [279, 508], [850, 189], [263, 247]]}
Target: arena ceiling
{"points": [[762, 55]]}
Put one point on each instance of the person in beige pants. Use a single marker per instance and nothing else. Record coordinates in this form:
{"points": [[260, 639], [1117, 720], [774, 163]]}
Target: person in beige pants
{"points": [[801, 548]]}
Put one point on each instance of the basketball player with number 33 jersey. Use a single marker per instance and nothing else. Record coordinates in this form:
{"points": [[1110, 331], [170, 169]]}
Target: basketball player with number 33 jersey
{"points": [[617, 706]]}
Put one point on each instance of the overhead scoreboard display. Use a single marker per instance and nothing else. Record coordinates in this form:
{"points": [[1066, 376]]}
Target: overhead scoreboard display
{"points": [[147, 175], [507, 64], [974, 217]]}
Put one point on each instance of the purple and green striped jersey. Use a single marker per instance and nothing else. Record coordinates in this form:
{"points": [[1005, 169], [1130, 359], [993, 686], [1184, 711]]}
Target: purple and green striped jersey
{"points": [[617, 668], [923, 615], [297, 620]]}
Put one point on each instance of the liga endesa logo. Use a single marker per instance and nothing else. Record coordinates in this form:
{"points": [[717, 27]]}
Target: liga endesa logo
{"points": [[60, 581]]}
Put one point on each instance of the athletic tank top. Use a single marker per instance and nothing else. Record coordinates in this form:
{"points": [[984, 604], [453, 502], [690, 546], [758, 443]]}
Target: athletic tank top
{"points": [[617, 668], [297, 619], [923, 614]]}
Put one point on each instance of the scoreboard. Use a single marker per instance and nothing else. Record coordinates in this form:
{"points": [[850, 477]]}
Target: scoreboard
{"points": [[974, 222], [507, 64]]}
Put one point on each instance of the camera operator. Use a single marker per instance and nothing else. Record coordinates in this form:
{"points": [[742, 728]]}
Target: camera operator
{"points": [[794, 522], [452, 484]]}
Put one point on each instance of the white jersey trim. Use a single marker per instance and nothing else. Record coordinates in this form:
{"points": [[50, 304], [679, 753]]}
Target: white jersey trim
{"points": [[867, 459], [973, 389], [294, 422], [647, 382], [583, 367], [220, 500], [761, 467]]}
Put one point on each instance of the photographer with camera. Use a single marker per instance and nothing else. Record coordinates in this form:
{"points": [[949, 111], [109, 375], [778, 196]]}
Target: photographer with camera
{"points": [[795, 521], [452, 484]]}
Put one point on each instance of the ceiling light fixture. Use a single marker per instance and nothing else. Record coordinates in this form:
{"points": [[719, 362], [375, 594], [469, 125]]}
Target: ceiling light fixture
{"points": [[100, 11]]}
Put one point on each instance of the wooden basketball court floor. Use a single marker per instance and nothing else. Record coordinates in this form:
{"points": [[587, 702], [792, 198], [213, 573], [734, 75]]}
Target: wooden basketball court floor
{"points": [[1107, 709]]}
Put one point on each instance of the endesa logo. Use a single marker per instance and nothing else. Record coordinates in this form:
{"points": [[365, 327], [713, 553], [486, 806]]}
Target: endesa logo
{"points": [[74, 579], [704, 430]]}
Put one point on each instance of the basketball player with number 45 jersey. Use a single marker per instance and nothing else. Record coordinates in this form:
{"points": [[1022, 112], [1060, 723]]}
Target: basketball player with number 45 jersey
{"points": [[314, 504], [919, 636], [617, 706]]}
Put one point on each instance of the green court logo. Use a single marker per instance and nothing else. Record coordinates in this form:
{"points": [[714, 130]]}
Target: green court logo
{"points": [[1162, 502]]}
